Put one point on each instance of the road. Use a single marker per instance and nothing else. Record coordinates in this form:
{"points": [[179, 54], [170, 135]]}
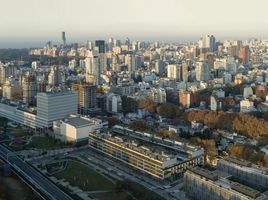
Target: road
{"points": [[44, 186]]}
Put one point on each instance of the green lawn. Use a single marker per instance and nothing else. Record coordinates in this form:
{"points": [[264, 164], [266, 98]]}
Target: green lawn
{"points": [[85, 178]]}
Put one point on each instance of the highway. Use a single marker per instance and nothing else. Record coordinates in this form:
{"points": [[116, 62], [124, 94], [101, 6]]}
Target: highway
{"points": [[43, 185]]}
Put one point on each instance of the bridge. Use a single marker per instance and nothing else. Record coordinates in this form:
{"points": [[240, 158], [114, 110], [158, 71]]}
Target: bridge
{"points": [[38, 182]]}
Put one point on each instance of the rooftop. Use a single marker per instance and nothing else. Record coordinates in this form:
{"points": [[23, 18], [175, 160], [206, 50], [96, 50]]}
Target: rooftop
{"points": [[77, 122]]}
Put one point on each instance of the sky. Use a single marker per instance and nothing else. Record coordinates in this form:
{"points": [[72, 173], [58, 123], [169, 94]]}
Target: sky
{"points": [[25, 23]]}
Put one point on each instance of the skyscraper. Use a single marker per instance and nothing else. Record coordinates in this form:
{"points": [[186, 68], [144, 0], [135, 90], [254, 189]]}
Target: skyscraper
{"points": [[244, 55], [93, 67], [207, 42], [63, 37], [101, 45]]}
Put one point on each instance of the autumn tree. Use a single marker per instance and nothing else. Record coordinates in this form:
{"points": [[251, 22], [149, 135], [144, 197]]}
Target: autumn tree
{"points": [[148, 104], [168, 110], [167, 133], [138, 125], [112, 121]]}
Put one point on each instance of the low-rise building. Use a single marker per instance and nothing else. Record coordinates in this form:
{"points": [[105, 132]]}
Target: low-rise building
{"points": [[245, 171], [246, 106], [147, 153], [203, 184], [76, 128]]}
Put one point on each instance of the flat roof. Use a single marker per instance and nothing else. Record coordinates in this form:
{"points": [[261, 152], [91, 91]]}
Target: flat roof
{"points": [[77, 121]]}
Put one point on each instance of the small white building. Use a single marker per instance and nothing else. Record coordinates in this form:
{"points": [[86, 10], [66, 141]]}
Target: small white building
{"points": [[247, 92], [246, 106], [75, 128]]}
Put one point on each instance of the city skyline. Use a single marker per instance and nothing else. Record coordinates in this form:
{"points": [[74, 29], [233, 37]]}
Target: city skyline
{"points": [[34, 22]]}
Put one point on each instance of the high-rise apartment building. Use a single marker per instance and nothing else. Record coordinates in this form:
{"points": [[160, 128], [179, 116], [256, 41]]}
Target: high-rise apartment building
{"points": [[208, 42], [86, 97], [202, 70], [6, 70], [130, 62], [186, 99], [173, 72], [244, 55], [56, 76], [29, 87], [160, 67], [93, 67]]}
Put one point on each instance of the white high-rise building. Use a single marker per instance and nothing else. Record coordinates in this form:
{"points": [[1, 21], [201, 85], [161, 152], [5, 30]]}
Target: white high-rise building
{"points": [[173, 71], [93, 67], [56, 76], [130, 62], [53, 106], [208, 42], [6, 70]]}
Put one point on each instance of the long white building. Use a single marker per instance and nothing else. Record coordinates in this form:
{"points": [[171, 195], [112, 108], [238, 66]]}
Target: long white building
{"points": [[50, 107]]}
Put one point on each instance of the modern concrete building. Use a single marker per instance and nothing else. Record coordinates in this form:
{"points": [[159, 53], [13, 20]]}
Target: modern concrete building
{"points": [[147, 153], [93, 67], [56, 76], [50, 107], [114, 103], [86, 97], [202, 184], [244, 54], [6, 70], [53, 106], [173, 72], [202, 70], [76, 128], [12, 89], [245, 172], [29, 87]]}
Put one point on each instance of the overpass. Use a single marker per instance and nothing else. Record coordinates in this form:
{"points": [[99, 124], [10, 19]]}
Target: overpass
{"points": [[41, 184]]}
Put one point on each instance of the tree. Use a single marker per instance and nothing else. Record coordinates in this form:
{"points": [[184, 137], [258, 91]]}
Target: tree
{"points": [[148, 104], [248, 152], [138, 125], [168, 110], [166, 133], [112, 121]]}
